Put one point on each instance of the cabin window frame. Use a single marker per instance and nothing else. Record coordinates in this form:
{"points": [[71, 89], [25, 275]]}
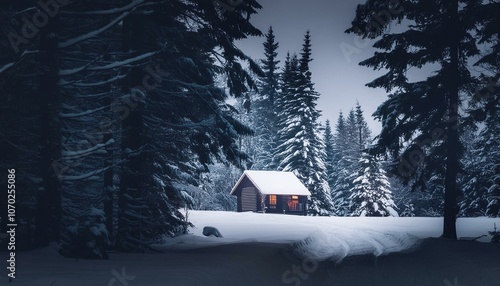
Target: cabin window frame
{"points": [[273, 201], [294, 204]]}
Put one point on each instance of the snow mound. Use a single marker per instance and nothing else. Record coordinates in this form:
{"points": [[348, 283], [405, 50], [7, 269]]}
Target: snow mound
{"points": [[335, 246]]}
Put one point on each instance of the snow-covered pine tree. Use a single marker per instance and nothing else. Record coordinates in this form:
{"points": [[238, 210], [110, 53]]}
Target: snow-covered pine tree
{"points": [[484, 178], [330, 154], [213, 193], [342, 168], [302, 149], [286, 100], [352, 136], [264, 107], [489, 138], [166, 144], [363, 132], [473, 200], [422, 114], [481, 184], [87, 85], [371, 194]]}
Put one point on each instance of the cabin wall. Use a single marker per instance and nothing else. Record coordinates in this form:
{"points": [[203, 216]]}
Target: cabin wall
{"points": [[247, 200]]}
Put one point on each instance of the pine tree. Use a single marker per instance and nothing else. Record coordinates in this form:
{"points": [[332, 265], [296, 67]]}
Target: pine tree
{"points": [[473, 201], [166, 145], [362, 130], [371, 194], [342, 168], [483, 179], [264, 122], [351, 138], [422, 114], [481, 184], [301, 148], [330, 154]]}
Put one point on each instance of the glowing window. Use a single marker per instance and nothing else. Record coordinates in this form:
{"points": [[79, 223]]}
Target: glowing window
{"points": [[295, 197], [272, 200]]}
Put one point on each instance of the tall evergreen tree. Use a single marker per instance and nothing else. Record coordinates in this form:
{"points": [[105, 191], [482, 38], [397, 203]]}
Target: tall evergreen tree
{"points": [[188, 140], [302, 149], [423, 114], [264, 122], [351, 139], [342, 168]]}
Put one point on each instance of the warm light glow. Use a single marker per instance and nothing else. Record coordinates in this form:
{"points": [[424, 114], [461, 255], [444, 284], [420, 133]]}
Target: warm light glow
{"points": [[272, 199], [295, 197]]}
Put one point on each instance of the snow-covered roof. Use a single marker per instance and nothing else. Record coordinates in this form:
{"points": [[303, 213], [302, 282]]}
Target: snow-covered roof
{"points": [[274, 183]]}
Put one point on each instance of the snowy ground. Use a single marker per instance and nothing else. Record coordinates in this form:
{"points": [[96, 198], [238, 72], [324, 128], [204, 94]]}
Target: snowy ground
{"points": [[326, 238], [265, 249]]}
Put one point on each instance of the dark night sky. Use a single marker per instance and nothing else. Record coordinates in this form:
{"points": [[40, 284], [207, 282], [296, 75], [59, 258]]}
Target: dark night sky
{"points": [[338, 78]]}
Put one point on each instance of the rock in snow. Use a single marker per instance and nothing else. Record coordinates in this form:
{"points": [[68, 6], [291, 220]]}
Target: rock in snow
{"points": [[210, 230]]}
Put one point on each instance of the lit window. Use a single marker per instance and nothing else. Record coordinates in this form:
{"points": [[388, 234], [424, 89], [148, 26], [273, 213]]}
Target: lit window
{"points": [[272, 200], [295, 197]]}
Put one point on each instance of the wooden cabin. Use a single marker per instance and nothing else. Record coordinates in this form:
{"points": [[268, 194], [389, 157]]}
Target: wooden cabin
{"points": [[271, 192]]}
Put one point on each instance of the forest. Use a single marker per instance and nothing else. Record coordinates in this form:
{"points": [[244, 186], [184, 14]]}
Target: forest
{"points": [[119, 117]]}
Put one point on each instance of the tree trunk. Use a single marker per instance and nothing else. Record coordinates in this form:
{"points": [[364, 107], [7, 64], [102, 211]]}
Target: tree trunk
{"points": [[108, 174], [453, 140], [48, 215], [131, 183]]}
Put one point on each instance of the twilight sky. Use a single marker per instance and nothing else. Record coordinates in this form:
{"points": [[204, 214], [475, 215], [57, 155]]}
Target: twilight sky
{"points": [[337, 77]]}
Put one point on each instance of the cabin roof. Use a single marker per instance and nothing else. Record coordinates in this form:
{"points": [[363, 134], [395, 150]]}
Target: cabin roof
{"points": [[274, 183]]}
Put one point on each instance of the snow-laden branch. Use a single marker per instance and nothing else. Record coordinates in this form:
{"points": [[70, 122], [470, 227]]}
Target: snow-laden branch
{"points": [[66, 154], [9, 65], [92, 34], [26, 10], [79, 114], [80, 84], [107, 12], [6, 67], [93, 95], [68, 72], [124, 62], [85, 175]]}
